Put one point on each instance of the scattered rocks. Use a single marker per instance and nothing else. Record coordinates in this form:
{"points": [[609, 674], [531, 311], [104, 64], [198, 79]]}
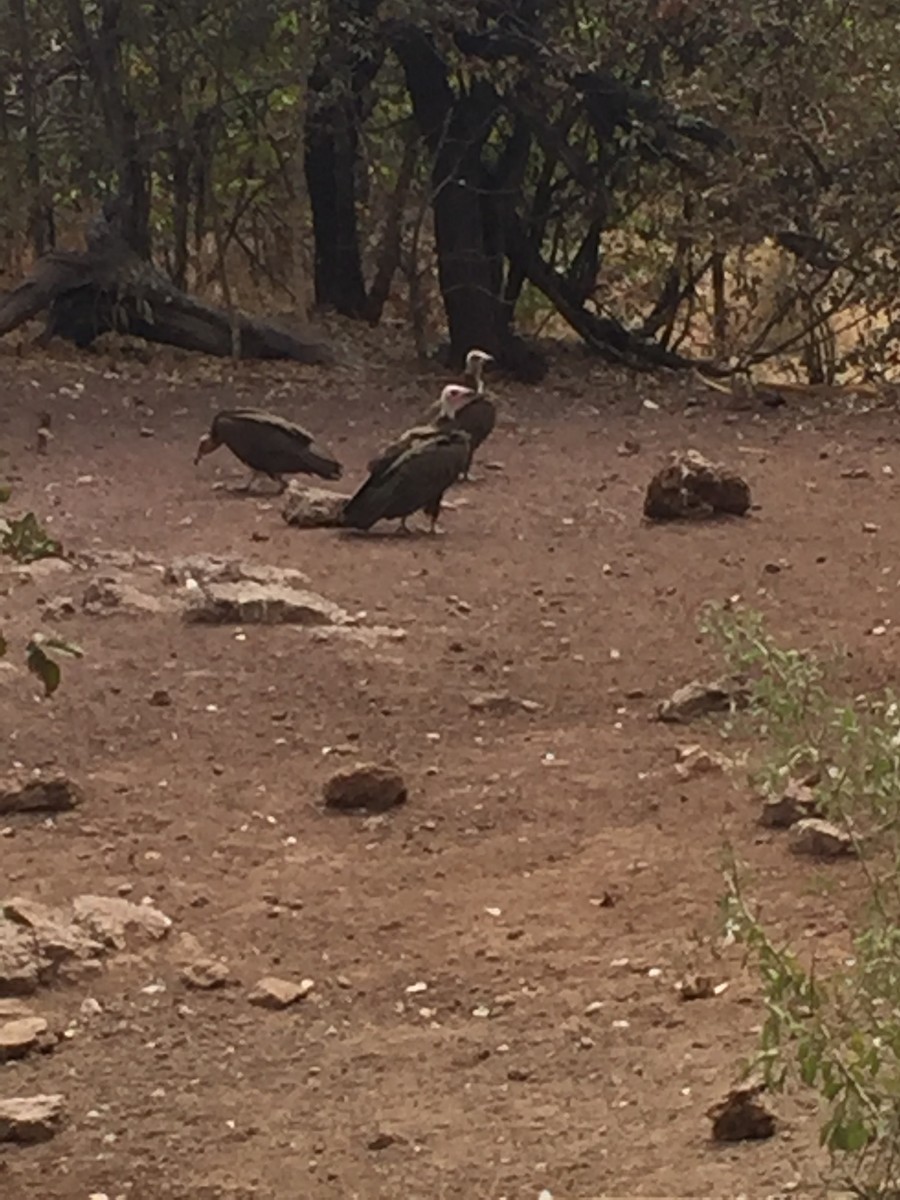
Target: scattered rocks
{"points": [[698, 699], [312, 507], [38, 793], [501, 703], [250, 603], [30, 1119], [39, 944], [368, 786], [21, 1036], [277, 994], [741, 1116], [692, 487], [815, 838], [796, 803]]}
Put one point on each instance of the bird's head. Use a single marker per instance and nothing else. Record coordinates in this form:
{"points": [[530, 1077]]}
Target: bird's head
{"points": [[453, 397], [476, 361], [206, 445]]}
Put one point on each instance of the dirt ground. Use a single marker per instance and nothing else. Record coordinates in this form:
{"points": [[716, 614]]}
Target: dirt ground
{"points": [[551, 878]]}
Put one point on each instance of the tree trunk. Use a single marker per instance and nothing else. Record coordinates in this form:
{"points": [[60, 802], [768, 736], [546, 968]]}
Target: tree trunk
{"points": [[467, 205], [342, 74], [40, 224], [331, 149]]}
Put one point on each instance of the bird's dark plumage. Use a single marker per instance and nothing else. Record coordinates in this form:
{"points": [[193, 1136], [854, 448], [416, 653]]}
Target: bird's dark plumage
{"points": [[268, 444], [477, 419], [414, 481]]}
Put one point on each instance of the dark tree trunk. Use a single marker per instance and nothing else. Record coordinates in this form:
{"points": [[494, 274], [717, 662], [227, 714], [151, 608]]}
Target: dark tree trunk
{"points": [[331, 150], [467, 204], [100, 53], [342, 74]]}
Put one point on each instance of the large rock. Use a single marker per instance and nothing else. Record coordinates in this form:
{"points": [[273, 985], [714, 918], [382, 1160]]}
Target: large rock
{"points": [[110, 919], [365, 786], [31, 1118], [691, 487], [313, 507], [21, 962], [41, 793], [209, 568], [697, 699], [39, 943], [21, 1036], [55, 938], [815, 838], [250, 603]]}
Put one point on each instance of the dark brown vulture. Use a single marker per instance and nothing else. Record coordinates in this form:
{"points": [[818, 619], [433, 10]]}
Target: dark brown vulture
{"points": [[443, 418], [268, 445], [416, 480], [478, 416]]}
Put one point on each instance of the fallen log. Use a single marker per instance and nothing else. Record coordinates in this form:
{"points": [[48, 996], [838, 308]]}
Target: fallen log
{"points": [[108, 288]]}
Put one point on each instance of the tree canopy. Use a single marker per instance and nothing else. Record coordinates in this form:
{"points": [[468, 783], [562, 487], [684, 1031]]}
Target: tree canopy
{"points": [[675, 181]]}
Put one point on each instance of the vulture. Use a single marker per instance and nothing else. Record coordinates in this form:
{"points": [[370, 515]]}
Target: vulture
{"points": [[416, 479], [478, 417], [268, 445], [442, 419]]}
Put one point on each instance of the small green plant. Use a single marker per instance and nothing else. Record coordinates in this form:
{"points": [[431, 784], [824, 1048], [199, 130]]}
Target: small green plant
{"points": [[25, 540], [836, 1030]]}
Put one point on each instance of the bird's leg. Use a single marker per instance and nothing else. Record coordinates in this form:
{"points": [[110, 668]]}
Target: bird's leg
{"points": [[403, 527], [245, 488], [282, 483]]}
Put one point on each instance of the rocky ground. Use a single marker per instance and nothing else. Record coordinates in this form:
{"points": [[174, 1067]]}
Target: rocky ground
{"points": [[226, 987]]}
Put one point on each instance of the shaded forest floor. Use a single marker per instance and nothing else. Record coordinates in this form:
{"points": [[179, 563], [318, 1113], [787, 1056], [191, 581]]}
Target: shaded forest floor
{"points": [[550, 879]]}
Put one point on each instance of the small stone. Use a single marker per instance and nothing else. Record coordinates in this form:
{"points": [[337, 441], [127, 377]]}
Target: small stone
{"points": [[205, 974], [816, 838], [381, 1141], [276, 994], [160, 698], [697, 699], [367, 786], [741, 1116], [45, 793], [501, 704], [18, 1038], [796, 803], [696, 987], [31, 1118], [694, 761]]}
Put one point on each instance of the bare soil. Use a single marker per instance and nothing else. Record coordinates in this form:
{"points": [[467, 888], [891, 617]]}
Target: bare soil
{"points": [[551, 877]]}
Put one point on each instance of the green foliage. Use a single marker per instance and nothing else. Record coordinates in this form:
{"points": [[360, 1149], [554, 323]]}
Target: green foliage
{"points": [[25, 540], [40, 663], [833, 1029]]}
